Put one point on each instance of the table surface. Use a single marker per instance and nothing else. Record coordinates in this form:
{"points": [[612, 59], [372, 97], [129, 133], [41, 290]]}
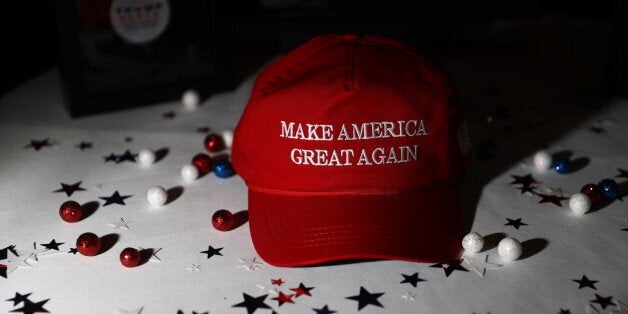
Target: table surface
{"points": [[559, 246]]}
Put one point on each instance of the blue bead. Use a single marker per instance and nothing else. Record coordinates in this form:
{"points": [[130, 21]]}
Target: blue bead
{"points": [[223, 168], [610, 188], [563, 166]]}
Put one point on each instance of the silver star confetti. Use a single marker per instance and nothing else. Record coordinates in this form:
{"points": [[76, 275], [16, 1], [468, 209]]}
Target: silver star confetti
{"points": [[194, 268], [250, 264], [120, 224], [479, 265]]}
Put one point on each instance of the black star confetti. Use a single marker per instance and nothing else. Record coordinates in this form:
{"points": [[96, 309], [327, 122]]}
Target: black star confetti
{"points": [[37, 145], [126, 156], [622, 173], [450, 266], [212, 251], [84, 145], [527, 189], [526, 180], [128, 139], [31, 307], [365, 298], [111, 157], [412, 279], [53, 245], [4, 253], [302, 290], [515, 223], [555, 199], [69, 189], [324, 310], [115, 198], [73, 251], [252, 304], [603, 301], [564, 311], [3, 270], [19, 298], [169, 115], [585, 282]]}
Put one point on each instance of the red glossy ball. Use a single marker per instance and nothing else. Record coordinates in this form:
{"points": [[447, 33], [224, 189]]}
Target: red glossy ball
{"points": [[222, 220], [214, 143], [130, 257], [71, 211], [203, 162], [88, 244], [593, 191]]}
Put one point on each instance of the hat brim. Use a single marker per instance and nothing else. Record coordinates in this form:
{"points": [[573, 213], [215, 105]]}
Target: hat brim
{"points": [[295, 230]]}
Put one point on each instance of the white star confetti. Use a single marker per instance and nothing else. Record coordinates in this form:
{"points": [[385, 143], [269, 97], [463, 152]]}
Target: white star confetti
{"points": [[250, 264], [194, 268], [120, 224], [135, 311], [408, 296], [480, 265]]}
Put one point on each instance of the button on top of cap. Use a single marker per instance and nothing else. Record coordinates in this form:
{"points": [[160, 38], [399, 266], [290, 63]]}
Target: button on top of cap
{"points": [[350, 36]]}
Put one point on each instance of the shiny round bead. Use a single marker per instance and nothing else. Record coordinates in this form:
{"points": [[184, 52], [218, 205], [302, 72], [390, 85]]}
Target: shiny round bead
{"points": [[542, 161], [203, 163], [609, 188], [594, 192], [579, 203], [130, 257], [563, 166], [189, 172], [147, 157], [472, 242], [509, 249], [88, 244], [190, 99], [223, 168], [227, 137], [157, 196], [214, 143], [71, 211], [222, 220]]}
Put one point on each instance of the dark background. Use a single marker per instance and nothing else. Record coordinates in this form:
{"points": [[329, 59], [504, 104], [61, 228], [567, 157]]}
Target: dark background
{"points": [[262, 29]]}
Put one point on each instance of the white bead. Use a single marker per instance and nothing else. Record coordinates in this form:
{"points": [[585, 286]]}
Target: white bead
{"points": [[147, 157], [189, 172], [509, 249], [472, 242], [190, 99], [542, 160], [227, 137], [157, 196], [580, 203]]}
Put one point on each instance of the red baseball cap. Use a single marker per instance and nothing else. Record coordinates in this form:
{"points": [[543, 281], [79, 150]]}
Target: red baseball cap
{"points": [[351, 148]]}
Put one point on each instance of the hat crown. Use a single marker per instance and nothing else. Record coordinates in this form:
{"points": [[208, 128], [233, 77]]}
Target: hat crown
{"points": [[344, 114]]}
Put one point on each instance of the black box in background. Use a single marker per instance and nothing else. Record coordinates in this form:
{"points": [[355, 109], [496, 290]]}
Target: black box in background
{"points": [[122, 53]]}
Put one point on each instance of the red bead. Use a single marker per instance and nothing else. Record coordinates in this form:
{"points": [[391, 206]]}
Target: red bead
{"points": [[71, 211], [203, 162], [222, 220], [88, 244], [214, 143], [130, 257], [593, 191]]}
